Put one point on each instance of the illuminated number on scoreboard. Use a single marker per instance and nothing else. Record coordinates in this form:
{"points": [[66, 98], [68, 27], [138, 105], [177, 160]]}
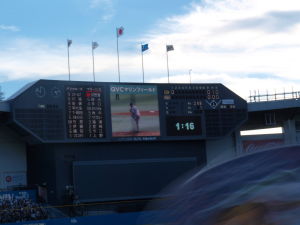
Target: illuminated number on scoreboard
{"points": [[212, 94], [183, 125]]}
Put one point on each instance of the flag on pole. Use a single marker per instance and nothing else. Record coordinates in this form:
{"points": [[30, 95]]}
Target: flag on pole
{"points": [[170, 48], [120, 31], [94, 45], [69, 42], [145, 47]]}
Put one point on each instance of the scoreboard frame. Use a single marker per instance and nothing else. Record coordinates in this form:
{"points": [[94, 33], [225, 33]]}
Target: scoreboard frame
{"points": [[103, 111]]}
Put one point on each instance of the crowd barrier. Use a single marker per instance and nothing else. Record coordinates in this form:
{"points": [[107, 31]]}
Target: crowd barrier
{"points": [[107, 219], [24, 194]]}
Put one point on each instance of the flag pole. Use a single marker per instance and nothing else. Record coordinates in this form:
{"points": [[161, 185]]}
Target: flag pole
{"points": [[69, 61], [118, 54], [142, 62], [93, 61], [168, 67]]}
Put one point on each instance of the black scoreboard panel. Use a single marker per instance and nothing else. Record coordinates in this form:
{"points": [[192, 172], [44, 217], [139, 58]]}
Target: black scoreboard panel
{"points": [[73, 111]]}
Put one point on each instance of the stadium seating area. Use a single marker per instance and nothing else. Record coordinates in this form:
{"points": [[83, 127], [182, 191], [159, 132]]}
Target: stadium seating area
{"points": [[20, 209]]}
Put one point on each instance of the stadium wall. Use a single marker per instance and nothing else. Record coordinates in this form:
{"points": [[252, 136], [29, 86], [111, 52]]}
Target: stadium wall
{"points": [[133, 218], [224, 149], [221, 150], [13, 163], [289, 132], [53, 164]]}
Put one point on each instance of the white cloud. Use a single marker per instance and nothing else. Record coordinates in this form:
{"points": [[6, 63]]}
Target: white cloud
{"points": [[106, 8], [34, 59], [236, 38], [98, 3], [246, 45], [9, 28]]}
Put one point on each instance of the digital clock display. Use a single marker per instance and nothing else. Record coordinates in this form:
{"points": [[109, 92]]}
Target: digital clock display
{"points": [[183, 125]]}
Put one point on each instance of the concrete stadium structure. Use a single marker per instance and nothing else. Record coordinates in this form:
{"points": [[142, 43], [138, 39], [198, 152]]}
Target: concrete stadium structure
{"points": [[17, 153]]}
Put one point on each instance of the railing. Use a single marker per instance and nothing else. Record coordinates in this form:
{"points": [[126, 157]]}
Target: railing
{"points": [[77, 216], [257, 97]]}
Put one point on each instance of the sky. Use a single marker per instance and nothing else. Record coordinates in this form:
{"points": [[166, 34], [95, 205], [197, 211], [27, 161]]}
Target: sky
{"points": [[248, 45]]}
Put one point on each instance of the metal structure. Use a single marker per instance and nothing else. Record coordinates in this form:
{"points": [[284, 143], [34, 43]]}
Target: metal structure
{"points": [[257, 97]]}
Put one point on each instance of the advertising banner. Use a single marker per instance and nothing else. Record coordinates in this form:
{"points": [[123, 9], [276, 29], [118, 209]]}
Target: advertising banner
{"points": [[257, 145]]}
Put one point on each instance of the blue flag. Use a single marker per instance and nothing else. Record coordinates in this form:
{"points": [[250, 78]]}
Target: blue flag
{"points": [[145, 47]]}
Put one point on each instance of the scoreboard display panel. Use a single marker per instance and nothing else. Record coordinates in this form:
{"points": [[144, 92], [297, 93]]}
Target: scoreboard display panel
{"points": [[84, 112], [75, 111]]}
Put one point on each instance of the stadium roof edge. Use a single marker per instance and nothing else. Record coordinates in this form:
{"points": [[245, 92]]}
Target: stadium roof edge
{"points": [[28, 85], [273, 105], [4, 107], [24, 88]]}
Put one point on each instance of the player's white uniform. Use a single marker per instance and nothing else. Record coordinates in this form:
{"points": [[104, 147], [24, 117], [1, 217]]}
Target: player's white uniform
{"points": [[135, 115]]}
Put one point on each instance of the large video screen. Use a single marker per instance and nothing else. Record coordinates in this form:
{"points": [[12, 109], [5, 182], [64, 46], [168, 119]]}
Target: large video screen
{"points": [[134, 110]]}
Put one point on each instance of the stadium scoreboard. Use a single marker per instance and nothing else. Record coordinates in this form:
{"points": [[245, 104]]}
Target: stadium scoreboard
{"points": [[75, 111]]}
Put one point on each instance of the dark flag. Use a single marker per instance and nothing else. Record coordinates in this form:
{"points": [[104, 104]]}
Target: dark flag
{"points": [[170, 48], [69, 42], [94, 45]]}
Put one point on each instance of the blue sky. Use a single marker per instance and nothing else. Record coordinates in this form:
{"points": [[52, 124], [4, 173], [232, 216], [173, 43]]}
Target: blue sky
{"points": [[84, 19], [247, 45]]}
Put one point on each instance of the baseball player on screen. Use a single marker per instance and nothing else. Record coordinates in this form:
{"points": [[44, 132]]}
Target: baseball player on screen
{"points": [[135, 115]]}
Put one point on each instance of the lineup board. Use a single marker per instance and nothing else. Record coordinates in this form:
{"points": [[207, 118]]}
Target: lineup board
{"points": [[74, 111], [84, 112]]}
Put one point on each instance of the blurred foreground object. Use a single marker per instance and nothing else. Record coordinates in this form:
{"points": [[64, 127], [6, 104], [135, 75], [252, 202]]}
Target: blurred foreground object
{"points": [[257, 189]]}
